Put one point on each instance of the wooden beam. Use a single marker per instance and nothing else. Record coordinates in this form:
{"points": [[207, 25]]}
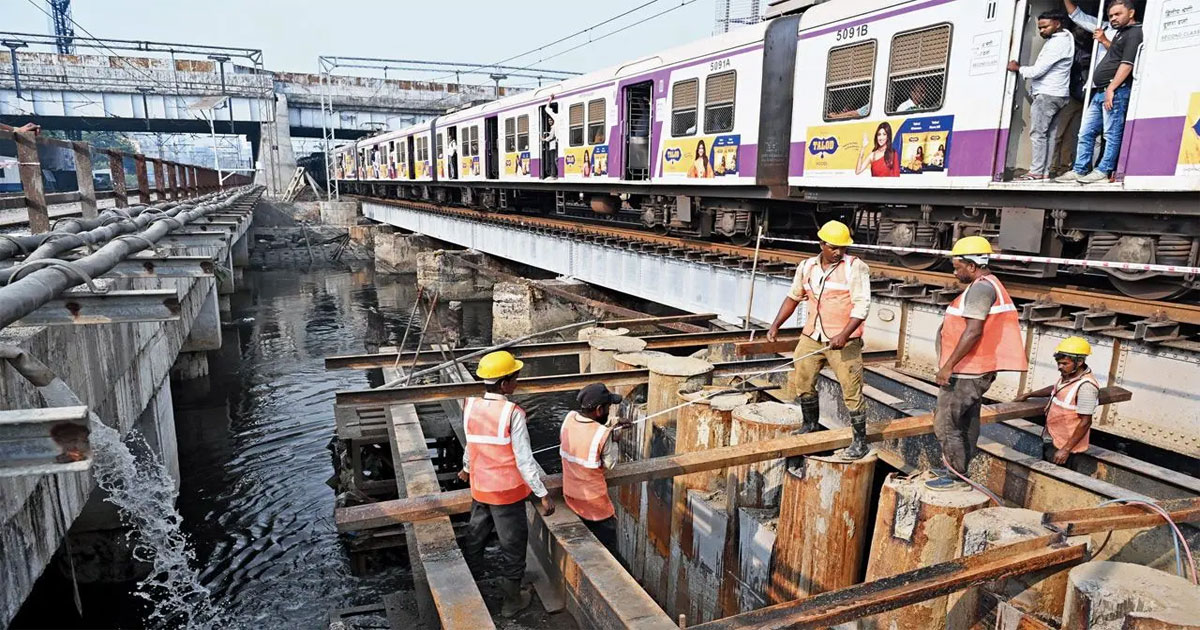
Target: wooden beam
{"points": [[550, 349], [29, 166], [389, 512], [847, 604], [1084, 521]]}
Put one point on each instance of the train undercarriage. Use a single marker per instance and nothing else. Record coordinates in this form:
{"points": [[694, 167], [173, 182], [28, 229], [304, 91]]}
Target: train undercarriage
{"points": [[1169, 234]]}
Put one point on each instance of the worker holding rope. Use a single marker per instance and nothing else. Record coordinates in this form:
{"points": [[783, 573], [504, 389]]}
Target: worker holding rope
{"points": [[837, 290], [979, 337], [498, 462]]}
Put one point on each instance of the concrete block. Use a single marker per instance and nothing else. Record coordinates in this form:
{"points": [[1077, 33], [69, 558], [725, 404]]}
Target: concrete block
{"points": [[189, 366], [339, 212], [700, 550], [205, 333], [439, 273], [397, 253], [756, 545]]}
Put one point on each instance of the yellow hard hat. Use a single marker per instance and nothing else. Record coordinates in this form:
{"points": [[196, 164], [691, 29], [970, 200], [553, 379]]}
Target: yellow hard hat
{"points": [[972, 246], [835, 233], [1074, 345], [497, 365]]}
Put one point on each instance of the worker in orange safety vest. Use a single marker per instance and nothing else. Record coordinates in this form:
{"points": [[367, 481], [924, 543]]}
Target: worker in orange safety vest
{"points": [[498, 463], [836, 289], [980, 336], [1073, 401], [588, 449]]}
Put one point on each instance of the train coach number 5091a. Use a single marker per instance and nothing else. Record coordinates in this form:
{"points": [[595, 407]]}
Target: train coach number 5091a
{"points": [[851, 32], [719, 64]]}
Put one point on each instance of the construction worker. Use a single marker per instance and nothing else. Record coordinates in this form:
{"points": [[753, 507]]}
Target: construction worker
{"points": [[979, 336], [837, 290], [1073, 402], [498, 462], [588, 451]]}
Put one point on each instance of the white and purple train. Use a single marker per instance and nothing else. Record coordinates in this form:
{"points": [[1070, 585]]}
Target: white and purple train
{"points": [[775, 125]]}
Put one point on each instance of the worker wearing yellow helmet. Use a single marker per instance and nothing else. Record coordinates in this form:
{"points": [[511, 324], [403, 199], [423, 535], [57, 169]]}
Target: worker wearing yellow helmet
{"points": [[836, 290], [980, 336], [1073, 401], [498, 463]]}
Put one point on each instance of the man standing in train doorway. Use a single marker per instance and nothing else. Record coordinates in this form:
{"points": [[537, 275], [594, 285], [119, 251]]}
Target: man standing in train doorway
{"points": [[498, 463], [836, 290], [979, 336]]}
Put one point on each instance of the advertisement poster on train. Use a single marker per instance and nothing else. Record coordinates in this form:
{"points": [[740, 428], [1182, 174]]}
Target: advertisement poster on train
{"points": [[422, 169], [702, 157], [1189, 146], [516, 163], [889, 148], [468, 166], [586, 161]]}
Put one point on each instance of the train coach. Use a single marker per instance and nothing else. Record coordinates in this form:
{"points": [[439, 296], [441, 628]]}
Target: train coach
{"points": [[781, 124]]}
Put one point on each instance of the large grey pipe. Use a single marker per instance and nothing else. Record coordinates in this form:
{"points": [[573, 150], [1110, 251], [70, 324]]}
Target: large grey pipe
{"points": [[33, 289], [13, 245]]}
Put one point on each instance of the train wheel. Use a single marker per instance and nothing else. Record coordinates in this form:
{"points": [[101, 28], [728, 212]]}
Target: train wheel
{"points": [[1157, 288], [918, 262]]}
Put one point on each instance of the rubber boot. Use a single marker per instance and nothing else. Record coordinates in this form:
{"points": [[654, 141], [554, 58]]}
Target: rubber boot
{"points": [[810, 410], [858, 448], [516, 598]]}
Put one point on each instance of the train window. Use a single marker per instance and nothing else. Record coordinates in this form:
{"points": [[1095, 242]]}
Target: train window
{"points": [[685, 96], [510, 135], [917, 70], [719, 92], [849, 78], [475, 141], [595, 115], [523, 132], [441, 145], [575, 124]]}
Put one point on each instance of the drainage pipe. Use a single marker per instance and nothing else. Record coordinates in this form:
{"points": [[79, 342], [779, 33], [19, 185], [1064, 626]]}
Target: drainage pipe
{"points": [[46, 279]]}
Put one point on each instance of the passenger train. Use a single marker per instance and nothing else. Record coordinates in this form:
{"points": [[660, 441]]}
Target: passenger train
{"points": [[776, 125]]}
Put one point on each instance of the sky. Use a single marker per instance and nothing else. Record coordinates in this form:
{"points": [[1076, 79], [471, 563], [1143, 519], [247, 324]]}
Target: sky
{"points": [[292, 33]]}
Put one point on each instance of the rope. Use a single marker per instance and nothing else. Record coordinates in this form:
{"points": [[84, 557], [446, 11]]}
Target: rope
{"points": [[20, 248], [53, 262], [988, 493], [1176, 537]]}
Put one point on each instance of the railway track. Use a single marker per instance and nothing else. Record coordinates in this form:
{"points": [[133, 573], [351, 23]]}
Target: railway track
{"points": [[1087, 309]]}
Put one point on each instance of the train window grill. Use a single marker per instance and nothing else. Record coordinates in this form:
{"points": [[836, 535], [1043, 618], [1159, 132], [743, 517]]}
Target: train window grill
{"points": [[849, 79], [523, 132], [576, 124], [917, 70], [475, 141], [510, 135], [720, 91], [685, 98], [596, 122]]}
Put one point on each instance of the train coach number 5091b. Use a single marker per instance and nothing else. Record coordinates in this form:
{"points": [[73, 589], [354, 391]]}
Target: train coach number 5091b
{"points": [[851, 32]]}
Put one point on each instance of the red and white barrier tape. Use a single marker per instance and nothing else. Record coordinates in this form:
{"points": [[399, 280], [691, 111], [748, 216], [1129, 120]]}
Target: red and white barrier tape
{"points": [[1101, 264]]}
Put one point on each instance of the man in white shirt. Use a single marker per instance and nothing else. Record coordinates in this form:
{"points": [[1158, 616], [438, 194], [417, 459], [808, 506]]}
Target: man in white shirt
{"points": [[1102, 31], [1050, 79], [551, 137]]}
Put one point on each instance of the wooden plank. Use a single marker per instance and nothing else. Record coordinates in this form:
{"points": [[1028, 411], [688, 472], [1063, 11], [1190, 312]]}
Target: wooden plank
{"points": [[847, 604], [431, 543], [778, 346], [456, 502], [548, 349], [1083, 521]]}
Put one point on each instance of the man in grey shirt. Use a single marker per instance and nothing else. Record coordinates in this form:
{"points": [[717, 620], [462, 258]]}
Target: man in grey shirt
{"points": [[1050, 86]]}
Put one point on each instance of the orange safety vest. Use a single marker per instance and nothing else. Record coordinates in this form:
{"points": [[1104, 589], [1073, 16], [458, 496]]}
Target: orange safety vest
{"points": [[1001, 347], [495, 478], [1062, 415], [581, 443], [830, 302]]}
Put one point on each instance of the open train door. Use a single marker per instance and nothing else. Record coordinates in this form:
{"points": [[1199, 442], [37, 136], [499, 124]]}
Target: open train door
{"points": [[491, 144], [412, 160], [638, 101], [1012, 114]]}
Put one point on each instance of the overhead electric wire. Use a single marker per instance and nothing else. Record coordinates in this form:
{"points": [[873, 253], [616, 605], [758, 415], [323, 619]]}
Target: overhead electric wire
{"points": [[683, 3]]}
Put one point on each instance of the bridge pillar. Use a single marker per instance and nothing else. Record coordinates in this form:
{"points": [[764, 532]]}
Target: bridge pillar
{"points": [[275, 155]]}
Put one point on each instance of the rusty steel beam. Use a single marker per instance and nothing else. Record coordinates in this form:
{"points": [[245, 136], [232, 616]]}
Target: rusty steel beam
{"points": [[855, 602], [44, 441], [113, 307], [116, 166], [1084, 521], [29, 165], [552, 349], [386, 513]]}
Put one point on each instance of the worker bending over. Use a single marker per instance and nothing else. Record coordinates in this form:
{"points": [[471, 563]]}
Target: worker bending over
{"points": [[588, 452], [979, 336], [498, 463], [837, 289], [1073, 402]]}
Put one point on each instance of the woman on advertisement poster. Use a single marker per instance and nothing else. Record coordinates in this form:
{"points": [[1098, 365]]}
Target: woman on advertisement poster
{"points": [[700, 165], [882, 159], [918, 161], [587, 163]]}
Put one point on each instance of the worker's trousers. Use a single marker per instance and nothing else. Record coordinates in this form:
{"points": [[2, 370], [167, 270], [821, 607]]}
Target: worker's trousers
{"points": [[511, 527], [846, 364], [956, 421]]}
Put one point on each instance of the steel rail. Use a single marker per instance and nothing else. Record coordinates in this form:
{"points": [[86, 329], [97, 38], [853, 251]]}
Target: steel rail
{"points": [[30, 291], [1184, 313]]}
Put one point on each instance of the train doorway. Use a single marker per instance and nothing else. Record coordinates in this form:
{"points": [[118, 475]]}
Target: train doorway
{"points": [[638, 115], [411, 165], [491, 142]]}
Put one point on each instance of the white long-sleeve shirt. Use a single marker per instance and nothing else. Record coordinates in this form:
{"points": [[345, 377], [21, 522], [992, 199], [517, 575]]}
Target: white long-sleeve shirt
{"points": [[522, 451], [1050, 73], [1091, 23]]}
